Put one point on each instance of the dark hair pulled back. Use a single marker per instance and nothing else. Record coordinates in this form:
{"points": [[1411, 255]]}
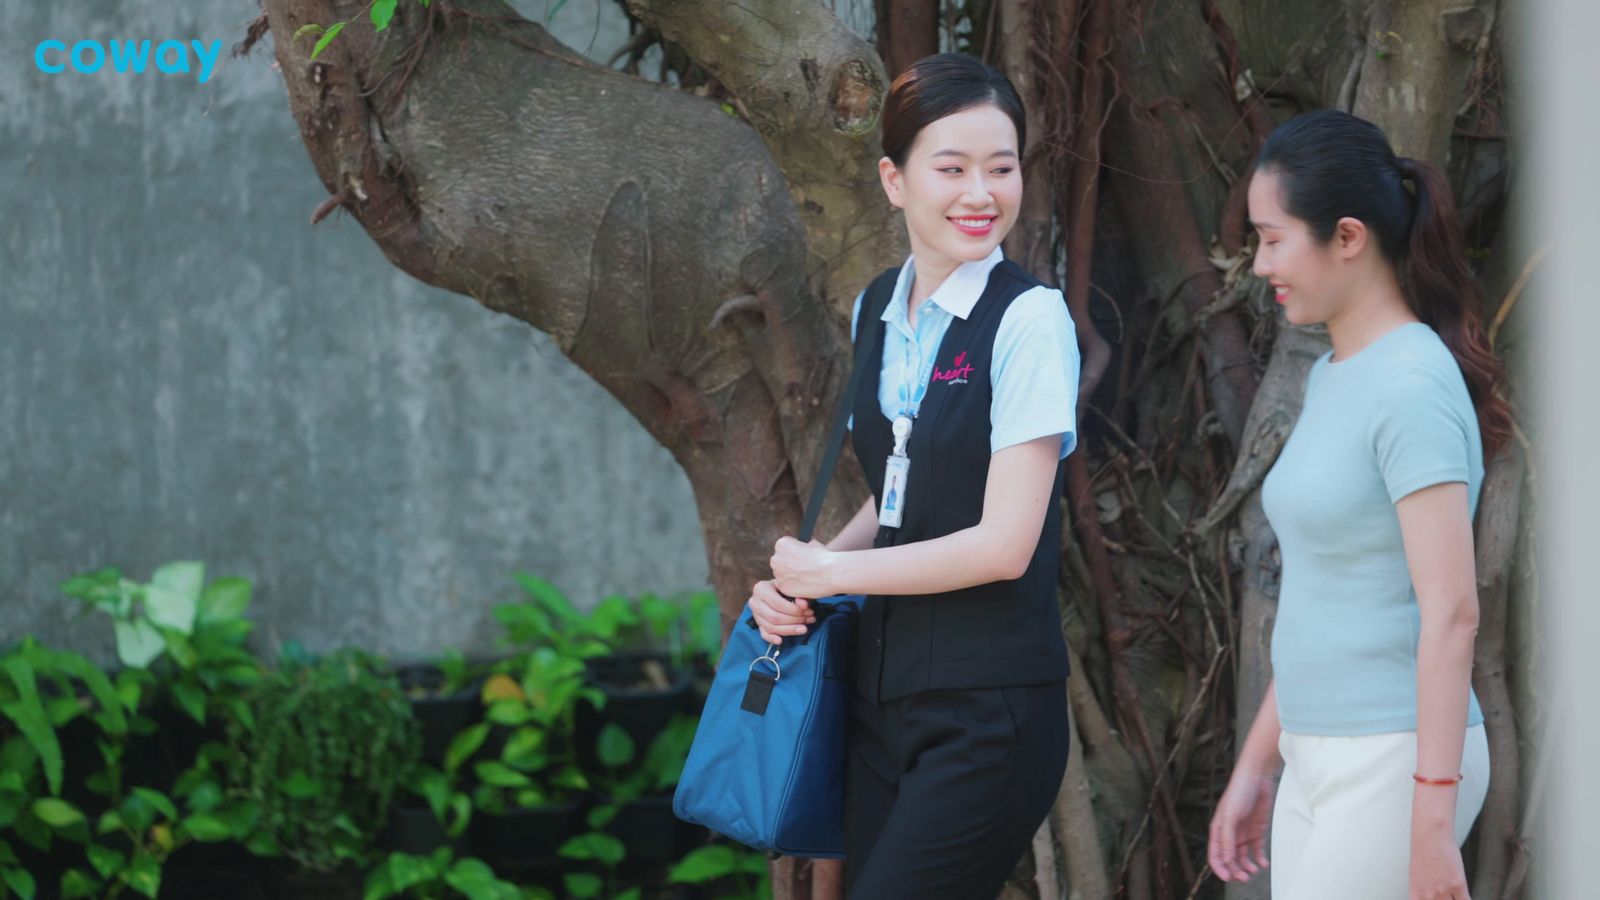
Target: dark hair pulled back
{"points": [[1333, 165], [941, 85]]}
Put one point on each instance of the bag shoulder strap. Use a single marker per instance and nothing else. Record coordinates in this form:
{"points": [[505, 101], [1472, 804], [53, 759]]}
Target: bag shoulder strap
{"points": [[873, 304]]}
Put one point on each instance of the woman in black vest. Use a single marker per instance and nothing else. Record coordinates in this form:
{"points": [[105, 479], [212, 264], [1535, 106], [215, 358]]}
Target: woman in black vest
{"points": [[959, 726]]}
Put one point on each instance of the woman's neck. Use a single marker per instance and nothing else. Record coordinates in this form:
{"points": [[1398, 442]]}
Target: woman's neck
{"points": [[928, 271], [1376, 308]]}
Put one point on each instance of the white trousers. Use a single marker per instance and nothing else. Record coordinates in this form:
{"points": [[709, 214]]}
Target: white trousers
{"points": [[1341, 827]]}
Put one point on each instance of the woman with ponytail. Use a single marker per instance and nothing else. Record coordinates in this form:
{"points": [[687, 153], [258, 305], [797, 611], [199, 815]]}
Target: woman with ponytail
{"points": [[1368, 758]]}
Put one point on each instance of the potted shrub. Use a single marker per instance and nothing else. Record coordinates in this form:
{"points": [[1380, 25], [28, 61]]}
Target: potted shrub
{"points": [[655, 650], [529, 792], [635, 793], [321, 755], [444, 699]]}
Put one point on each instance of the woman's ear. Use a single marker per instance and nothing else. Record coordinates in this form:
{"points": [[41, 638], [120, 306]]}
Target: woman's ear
{"points": [[889, 174], [1349, 237]]}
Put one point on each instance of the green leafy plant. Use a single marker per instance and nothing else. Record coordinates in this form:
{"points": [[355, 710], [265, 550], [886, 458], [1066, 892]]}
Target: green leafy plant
{"points": [[138, 827], [439, 875], [199, 628], [534, 694], [327, 745], [717, 862]]}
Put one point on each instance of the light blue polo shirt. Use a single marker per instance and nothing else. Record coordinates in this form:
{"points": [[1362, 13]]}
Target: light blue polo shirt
{"points": [[1390, 420], [1035, 372]]}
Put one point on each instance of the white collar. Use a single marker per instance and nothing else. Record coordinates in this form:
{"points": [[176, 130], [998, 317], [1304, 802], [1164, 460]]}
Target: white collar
{"points": [[957, 295]]}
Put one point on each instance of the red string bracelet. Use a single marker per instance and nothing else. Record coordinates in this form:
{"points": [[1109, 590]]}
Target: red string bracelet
{"points": [[1420, 780]]}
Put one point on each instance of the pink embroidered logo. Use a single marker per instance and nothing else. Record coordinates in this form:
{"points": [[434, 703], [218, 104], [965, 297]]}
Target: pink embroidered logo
{"points": [[957, 373]]}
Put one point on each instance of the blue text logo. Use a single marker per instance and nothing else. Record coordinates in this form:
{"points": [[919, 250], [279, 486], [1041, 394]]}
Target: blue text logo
{"points": [[172, 57]]}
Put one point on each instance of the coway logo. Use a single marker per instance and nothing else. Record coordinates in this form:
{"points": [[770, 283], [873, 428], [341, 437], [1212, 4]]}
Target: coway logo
{"points": [[133, 57]]}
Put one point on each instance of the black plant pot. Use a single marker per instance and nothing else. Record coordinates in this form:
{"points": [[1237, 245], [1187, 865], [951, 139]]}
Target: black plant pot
{"points": [[652, 835], [343, 883], [441, 716], [523, 839], [413, 828], [639, 705], [220, 869]]}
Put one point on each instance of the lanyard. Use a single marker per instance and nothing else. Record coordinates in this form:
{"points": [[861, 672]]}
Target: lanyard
{"points": [[911, 402]]}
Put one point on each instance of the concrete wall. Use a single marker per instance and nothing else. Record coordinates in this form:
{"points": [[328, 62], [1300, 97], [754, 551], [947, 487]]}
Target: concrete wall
{"points": [[188, 370]]}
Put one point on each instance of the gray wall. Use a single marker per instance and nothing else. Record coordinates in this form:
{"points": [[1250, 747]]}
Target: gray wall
{"points": [[188, 370]]}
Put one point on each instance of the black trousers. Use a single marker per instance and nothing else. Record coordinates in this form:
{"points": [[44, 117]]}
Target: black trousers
{"points": [[945, 789]]}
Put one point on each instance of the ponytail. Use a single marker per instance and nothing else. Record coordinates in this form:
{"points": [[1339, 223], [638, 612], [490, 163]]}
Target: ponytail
{"points": [[1445, 295]]}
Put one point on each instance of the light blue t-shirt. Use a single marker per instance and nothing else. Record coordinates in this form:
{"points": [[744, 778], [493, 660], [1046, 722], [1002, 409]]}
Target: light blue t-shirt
{"points": [[1390, 420], [1035, 372]]}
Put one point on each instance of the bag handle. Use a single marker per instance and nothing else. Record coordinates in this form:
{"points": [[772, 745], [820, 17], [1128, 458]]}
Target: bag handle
{"points": [[872, 306]]}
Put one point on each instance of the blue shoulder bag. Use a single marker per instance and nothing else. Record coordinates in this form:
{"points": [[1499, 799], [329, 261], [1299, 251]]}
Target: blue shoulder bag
{"points": [[767, 764]]}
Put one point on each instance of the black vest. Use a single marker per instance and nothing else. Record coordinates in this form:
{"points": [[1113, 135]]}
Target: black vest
{"points": [[993, 635]]}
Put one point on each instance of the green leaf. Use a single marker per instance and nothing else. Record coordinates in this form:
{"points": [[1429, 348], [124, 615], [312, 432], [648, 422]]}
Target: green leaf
{"points": [[379, 884], [172, 597], [407, 871], [571, 779], [550, 597], [501, 775], [382, 12], [56, 813], [583, 884], [463, 745], [474, 878], [100, 687], [138, 643], [308, 28], [704, 864], [601, 816], [77, 883], [460, 815], [105, 860], [615, 746], [207, 828], [524, 749], [28, 713], [632, 893], [20, 881], [301, 786], [192, 699], [157, 800], [327, 38], [226, 598], [594, 845], [242, 816], [110, 821], [144, 875], [205, 796]]}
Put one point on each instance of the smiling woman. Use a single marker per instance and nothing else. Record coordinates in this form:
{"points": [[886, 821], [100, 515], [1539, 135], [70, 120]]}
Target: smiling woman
{"points": [[958, 733]]}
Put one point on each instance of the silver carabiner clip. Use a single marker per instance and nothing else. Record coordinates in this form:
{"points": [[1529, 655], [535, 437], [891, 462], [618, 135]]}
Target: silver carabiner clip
{"points": [[777, 672]]}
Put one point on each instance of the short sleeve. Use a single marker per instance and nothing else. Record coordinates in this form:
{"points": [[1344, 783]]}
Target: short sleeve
{"points": [[1419, 436], [1035, 373], [855, 314]]}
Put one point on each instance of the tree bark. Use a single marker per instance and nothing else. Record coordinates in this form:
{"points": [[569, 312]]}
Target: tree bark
{"points": [[1418, 55], [908, 30]]}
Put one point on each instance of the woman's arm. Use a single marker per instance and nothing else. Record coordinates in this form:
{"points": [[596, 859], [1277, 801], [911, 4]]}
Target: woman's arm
{"points": [[857, 534], [1237, 848], [1436, 526], [998, 548]]}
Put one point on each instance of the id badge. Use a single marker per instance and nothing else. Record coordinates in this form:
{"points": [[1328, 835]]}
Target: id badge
{"points": [[896, 473]]}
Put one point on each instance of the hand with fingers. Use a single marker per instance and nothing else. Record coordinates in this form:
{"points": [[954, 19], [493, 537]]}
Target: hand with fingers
{"points": [[777, 616], [1238, 845]]}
